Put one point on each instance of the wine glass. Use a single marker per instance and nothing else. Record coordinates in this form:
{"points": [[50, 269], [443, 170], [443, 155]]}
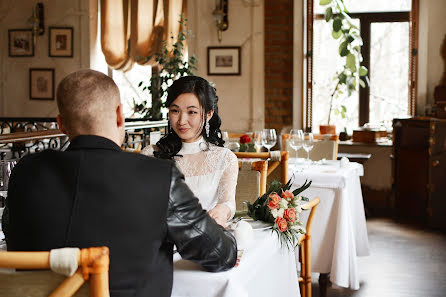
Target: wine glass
{"points": [[5, 171], [6, 167], [308, 144], [296, 140], [225, 137], [257, 139], [269, 138]]}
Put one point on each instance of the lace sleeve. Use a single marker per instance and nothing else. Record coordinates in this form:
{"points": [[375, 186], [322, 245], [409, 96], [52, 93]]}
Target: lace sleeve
{"points": [[228, 182], [148, 151]]}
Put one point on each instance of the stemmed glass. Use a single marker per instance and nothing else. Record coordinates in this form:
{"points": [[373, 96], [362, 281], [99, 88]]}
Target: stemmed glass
{"points": [[296, 140], [269, 138], [308, 144], [225, 137], [233, 146], [257, 138], [5, 171]]}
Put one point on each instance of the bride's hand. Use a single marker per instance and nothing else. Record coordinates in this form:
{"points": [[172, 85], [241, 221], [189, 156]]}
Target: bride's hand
{"points": [[220, 213]]}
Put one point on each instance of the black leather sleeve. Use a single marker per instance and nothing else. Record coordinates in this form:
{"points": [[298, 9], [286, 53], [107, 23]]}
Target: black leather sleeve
{"points": [[196, 235]]}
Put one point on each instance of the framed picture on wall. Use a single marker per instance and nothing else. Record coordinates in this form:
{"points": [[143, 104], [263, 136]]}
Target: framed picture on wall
{"points": [[60, 42], [20, 43], [224, 60], [41, 83]]}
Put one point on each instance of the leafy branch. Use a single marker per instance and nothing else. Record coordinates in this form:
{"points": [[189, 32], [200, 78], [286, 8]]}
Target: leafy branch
{"points": [[350, 42], [172, 65]]}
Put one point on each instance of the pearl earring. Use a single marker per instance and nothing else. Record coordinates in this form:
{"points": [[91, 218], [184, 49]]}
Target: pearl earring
{"points": [[206, 127]]}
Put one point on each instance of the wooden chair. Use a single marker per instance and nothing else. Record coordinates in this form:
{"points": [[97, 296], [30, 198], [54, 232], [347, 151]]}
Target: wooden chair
{"points": [[235, 135], [93, 266], [272, 164], [251, 183], [325, 146], [305, 250]]}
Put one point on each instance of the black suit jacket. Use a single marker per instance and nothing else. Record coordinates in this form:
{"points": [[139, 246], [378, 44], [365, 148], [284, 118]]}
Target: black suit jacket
{"points": [[93, 194]]}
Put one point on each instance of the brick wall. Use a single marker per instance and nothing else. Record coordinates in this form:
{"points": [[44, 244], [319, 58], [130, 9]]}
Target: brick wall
{"points": [[278, 63]]}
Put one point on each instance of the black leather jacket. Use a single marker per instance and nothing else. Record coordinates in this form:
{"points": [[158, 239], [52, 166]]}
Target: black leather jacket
{"points": [[197, 237]]}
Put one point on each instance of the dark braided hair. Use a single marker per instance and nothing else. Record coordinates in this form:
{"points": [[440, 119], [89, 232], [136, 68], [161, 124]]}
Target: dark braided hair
{"points": [[170, 144]]}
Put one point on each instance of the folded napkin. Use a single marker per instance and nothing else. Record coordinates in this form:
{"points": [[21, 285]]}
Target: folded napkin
{"points": [[243, 234], [344, 162], [64, 260]]}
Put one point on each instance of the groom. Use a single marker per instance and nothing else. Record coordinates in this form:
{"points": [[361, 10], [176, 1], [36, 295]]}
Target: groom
{"points": [[93, 194]]}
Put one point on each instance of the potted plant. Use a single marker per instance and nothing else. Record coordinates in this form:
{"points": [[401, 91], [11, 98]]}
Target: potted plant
{"points": [[171, 65], [352, 73]]}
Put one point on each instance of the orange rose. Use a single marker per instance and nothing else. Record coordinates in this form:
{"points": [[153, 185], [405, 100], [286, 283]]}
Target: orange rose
{"points": [[287, 195], [281, 224], [290, 214], [245, 139], [274, 200]]}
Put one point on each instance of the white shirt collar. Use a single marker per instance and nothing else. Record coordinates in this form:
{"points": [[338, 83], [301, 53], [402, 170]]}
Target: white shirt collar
{"points": [[193, 147]]}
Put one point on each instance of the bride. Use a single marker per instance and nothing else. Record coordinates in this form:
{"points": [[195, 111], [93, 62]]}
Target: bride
{"points": [[194, 142]]}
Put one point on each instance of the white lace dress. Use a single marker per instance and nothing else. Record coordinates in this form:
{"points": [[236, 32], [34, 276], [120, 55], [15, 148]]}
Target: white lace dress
{"points": [[210, 172]]}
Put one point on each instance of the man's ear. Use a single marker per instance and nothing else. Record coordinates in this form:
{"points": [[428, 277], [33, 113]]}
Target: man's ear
{"points": [[120, 119], [61, 126]]}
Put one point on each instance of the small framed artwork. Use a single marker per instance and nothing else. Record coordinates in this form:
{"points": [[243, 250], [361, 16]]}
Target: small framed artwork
{"points": [[60, 42], [20, 43], [224, 60], [41, 83]]}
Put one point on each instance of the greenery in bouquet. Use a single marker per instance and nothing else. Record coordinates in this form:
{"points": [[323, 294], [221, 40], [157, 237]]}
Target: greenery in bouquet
{"points": [[281, 207], [246, 144]]}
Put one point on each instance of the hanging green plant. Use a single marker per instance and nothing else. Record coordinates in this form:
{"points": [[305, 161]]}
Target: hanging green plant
{"points": [[172, 65], [350, 42]]}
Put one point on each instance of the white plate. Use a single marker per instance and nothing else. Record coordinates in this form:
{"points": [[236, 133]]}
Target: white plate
{"points": [[258, 225]]}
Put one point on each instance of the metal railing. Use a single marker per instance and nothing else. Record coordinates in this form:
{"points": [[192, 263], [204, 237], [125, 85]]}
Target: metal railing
{"points": [[22, 136]]}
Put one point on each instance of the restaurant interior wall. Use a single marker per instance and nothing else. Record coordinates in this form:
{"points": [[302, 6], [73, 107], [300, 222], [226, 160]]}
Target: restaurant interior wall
{"points": [[431, 35], [14, 71], [241, 98]]}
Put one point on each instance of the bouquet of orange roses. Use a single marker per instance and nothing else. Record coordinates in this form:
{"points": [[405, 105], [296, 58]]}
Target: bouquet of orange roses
{"points": [[281, 207]]}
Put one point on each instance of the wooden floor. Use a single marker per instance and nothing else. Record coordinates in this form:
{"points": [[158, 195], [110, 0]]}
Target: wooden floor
{"points": [[404, 262]]}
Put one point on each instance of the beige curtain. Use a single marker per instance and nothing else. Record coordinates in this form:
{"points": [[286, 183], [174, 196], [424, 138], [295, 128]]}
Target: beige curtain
{"points": [[133, 29]]}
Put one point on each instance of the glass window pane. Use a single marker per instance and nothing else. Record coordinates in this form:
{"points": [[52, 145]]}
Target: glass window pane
{"points": [[128, 86], [326, 62], [389, 73], [370, 5]]}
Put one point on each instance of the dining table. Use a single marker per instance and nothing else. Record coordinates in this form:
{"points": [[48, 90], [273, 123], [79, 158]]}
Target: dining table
{"points": [[339, 232], [265, 268]]}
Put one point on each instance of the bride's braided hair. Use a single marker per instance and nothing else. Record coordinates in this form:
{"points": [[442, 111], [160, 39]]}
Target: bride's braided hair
{"points": [[170, 144]]}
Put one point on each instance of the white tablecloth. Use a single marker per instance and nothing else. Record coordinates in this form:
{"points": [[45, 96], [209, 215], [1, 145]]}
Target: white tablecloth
{"points": [[265, 269], [339, 232]]}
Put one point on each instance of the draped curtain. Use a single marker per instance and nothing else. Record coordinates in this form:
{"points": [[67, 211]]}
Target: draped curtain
{"points": [[134, 29]]}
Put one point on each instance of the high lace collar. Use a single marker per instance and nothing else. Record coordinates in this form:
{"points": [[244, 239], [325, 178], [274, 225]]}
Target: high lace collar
{"points": [[193, 147]]}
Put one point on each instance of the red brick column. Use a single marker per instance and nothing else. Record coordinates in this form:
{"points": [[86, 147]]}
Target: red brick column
{"points": [[278, 63]]}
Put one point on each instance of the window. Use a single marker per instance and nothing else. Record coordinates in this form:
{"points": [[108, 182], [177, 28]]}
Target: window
{"points": [[128, 87], [388, 30]]}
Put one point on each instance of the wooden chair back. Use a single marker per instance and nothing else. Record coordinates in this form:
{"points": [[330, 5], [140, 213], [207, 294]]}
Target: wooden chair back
{"points": [[235, 135], [251, 183], [305, 250], [272, 165], [93, 266]]}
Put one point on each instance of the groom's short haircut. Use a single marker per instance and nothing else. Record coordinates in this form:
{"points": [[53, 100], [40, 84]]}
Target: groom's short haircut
{"points": [[87, 100]]}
